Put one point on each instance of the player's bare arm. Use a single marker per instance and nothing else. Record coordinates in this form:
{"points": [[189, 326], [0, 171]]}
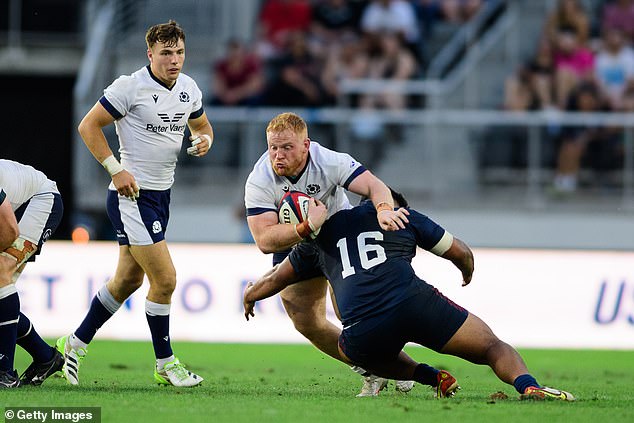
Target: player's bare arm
{"points": [[462, 257], [91, 131], [9, 229], [275, 280], [270, 236], [372, 187], [202, 136]]}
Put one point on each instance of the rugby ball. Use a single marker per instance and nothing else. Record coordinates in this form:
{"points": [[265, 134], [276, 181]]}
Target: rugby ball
{"points": [[293, 209]]}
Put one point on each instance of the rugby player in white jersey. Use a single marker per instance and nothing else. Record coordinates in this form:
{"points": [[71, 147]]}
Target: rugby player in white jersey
{"points": [[150, 110], [294, 162], [31, 208]]}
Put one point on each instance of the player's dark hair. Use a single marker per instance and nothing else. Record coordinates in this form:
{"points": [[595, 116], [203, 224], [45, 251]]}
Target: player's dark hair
{"points": [[399, 198], [168, 33]]}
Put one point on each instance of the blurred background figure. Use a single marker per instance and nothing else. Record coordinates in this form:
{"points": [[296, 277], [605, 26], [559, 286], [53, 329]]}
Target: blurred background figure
{"points": [[297, 80], [347, 60], [597, 146], [619, 14], [459, 10], [529, 89], [334, 22], [542, 72], [573, 62], [238, 77], [568, 15], [277, 20], [614, 66], [393, 17], [389, 59]]}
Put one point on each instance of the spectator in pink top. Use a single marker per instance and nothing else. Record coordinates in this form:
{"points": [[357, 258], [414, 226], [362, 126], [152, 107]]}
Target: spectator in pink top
{"points": [[574, 62], [619, 14]]}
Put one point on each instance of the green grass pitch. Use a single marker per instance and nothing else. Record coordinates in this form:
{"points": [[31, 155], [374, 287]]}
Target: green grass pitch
{"points": [[296, 383]]}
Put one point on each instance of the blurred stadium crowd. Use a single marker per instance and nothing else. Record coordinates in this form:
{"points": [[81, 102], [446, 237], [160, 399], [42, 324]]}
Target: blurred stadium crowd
{"points": [[297, 52], [302, 48], [583, 62]]}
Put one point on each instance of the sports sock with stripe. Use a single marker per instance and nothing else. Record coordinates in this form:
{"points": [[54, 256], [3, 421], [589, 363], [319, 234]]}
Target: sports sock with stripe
{"points": [[158, 318], [32, 342], [9, 312], [102, 307]]}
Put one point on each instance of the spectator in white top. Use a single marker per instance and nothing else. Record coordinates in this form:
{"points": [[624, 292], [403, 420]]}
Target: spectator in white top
{"points": [[392, 16], [614, 65]]}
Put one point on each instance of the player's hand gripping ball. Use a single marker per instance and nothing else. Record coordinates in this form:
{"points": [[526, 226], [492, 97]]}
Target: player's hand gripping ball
{"points": [[293, 209]]}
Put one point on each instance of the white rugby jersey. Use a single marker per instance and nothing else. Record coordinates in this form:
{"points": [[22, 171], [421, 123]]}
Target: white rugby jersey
{"points": [[150, 122], [21, 182], [325, 177]]}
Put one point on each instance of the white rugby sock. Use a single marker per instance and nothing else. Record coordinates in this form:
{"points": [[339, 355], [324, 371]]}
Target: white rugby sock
{"points": [[76, 343], [161, 362]]}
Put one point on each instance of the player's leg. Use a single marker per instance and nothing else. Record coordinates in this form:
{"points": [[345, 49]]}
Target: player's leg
{"points": [[475, 341], [46, 359], [32, 218], [372, 384], [157, 264], [38, 219], [404, 369], [305, 304], [9, 315], [377, 343], [127, 279]]}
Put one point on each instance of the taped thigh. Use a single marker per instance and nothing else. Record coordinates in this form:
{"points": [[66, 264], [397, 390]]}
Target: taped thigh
{"points": [[21, 250]]}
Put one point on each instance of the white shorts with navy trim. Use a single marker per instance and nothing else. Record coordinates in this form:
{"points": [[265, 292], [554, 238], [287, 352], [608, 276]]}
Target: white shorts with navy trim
{"points": [[140, 222]]}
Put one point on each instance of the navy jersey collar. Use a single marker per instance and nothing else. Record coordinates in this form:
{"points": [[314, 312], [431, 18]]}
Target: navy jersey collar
{"points": [[294, 179]]}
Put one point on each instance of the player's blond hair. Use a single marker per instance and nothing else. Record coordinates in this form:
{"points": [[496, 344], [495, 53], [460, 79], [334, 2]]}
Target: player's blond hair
{"points": [[168, 33], [288, 121]]}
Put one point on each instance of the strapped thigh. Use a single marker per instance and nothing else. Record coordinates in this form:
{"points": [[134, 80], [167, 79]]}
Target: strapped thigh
{"points": [[21, 250]]}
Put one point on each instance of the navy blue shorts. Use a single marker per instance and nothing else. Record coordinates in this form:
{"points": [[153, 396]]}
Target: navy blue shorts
{"points": [[314, 272], [428, 318], [279, 256], [140, 222]]}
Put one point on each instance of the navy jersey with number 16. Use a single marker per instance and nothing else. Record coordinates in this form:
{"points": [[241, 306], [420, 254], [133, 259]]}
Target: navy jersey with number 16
{"points": [[369, 269]]}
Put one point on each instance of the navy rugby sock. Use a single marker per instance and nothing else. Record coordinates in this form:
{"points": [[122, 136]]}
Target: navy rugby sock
{"points": [[32, 342], [524, 381], [9, 312], [426, 375], [158, 318], [97, 315]]}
